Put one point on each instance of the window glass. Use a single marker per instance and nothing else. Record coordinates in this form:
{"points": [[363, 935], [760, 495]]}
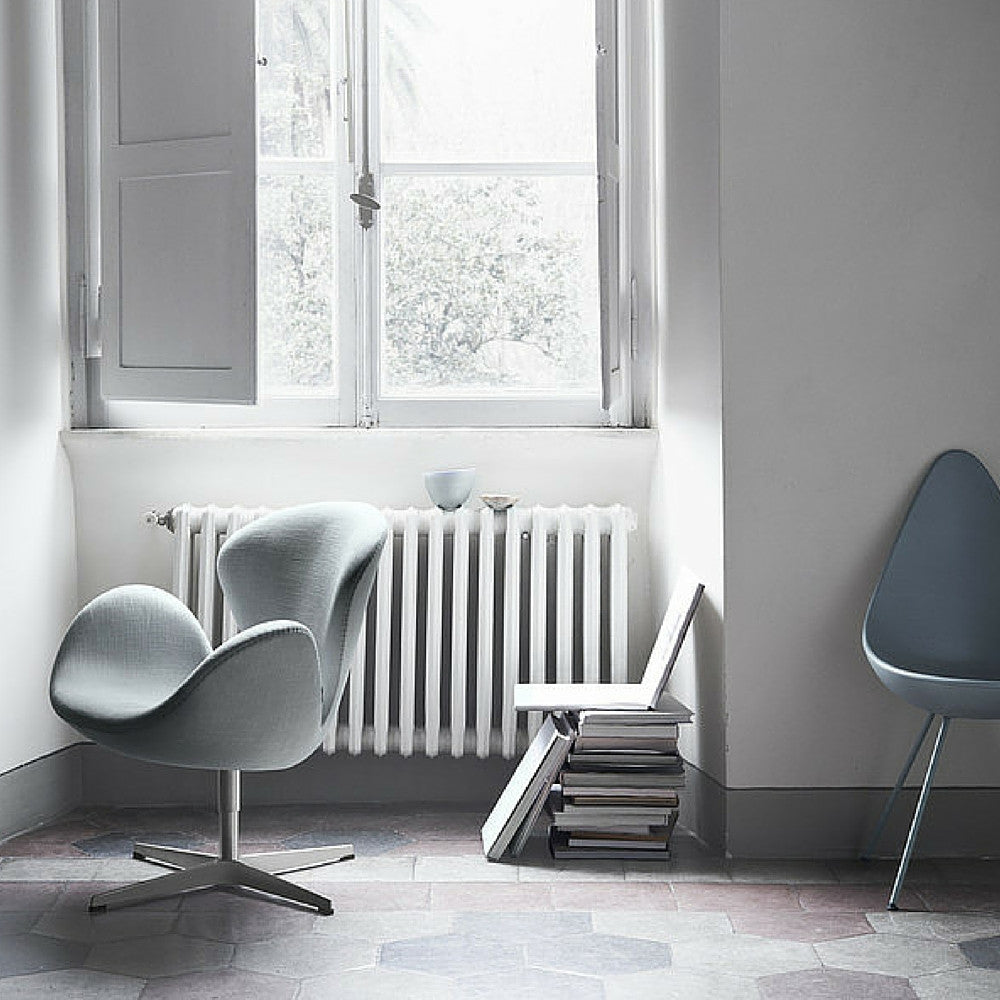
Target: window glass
{"points": [[296, 286], [487, 81], [294, 96], [296, 200], [490, 285]]}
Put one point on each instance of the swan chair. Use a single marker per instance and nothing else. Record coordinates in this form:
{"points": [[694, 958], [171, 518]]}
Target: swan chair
{"points": [[932, 631], [136, 673]]}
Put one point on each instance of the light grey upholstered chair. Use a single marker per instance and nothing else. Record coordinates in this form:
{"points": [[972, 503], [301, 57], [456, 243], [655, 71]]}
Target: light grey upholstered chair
{"points": [[932, 631], [136, 673]]}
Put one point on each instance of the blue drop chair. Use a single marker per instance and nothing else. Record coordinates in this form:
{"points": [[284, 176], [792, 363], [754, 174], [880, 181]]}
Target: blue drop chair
{"points": [[136, 673], [932, 631]]}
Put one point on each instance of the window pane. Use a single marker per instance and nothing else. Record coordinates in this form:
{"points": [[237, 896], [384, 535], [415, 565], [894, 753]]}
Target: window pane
{"points": [[489, 286], [488, 81], [293, 90], [296, 287]]}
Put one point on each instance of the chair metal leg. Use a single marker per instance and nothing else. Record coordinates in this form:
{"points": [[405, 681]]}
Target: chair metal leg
{"points": [[197, 870], [174, 857], [184, 880], [278, 862], [254, 878], [869, 849], [918, 815], [214, 875]]}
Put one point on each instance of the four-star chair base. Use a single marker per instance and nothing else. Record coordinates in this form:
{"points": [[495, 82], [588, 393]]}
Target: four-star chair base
{"points": [[198, 870]]}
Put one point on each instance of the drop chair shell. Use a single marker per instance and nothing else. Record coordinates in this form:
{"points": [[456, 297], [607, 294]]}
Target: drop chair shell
{"points": [[136, 673], [932, 631]]}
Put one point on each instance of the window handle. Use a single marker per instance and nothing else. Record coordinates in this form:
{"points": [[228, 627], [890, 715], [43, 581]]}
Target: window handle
{"points": [[366, 201]]}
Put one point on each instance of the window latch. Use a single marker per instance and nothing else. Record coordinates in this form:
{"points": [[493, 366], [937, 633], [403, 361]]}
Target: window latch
{"points": [[366, 201]]}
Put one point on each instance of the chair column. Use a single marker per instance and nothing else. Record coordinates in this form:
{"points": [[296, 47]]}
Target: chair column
{"points": [[229, 815]]}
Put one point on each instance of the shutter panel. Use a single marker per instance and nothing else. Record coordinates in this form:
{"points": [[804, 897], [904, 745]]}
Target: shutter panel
{"points": [[178, 200]]}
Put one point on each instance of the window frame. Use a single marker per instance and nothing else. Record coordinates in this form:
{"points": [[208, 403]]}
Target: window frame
{"points": [[624, 147]]}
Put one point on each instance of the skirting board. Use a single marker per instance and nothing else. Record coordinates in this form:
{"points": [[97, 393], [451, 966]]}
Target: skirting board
{"points": [[832, 823], [39, 791], [110, 779]]}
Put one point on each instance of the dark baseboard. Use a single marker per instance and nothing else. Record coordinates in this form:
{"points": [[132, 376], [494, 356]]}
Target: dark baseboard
{"points": [[110, 779], [835, 823], [39, 791], [745, 822]]}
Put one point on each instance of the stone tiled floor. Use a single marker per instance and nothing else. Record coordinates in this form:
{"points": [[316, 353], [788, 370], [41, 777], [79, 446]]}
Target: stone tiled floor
{"points": [[420, 914]]}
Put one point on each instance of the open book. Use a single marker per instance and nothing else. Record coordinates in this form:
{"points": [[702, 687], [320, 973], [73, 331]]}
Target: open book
{"points": [[644, 695]]}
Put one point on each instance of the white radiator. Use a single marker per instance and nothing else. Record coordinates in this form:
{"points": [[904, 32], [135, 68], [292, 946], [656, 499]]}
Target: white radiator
{"points": [[465, 605]]}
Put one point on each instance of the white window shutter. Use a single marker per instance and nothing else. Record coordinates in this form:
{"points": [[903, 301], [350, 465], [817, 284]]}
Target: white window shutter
{"points": [[178, 200]]}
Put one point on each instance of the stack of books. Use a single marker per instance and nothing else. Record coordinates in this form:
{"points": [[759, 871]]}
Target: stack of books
{"points": [[619, 791]]}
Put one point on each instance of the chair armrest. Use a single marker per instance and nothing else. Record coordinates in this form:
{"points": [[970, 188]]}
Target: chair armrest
{"points": [[126, 651], [253, 704]]}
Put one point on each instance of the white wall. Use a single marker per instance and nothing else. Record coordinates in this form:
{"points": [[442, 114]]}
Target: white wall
{"points": [[120, 474], [860, 247], [686, 503], [37, 564]]}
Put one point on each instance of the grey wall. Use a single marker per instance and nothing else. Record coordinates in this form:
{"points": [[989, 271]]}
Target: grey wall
{"points": [[37, 559], [860, 248], [833, 208]]}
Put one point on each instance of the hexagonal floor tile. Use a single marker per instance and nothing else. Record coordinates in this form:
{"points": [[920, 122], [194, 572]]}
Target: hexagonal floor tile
{"points": [[236, 926], [599, 954], [890, 955], [741, 955], [952, 927], [523, 928], [367, 843], [24, 953], [802, 926], [227, 984], [530, 984], [163, 955], [963, 984], [115, 925], [303, 956], [452, 955], [676, 984], [379, 984], [76, 984], [983, 953], [667, 927], [19, 922], [388, 925], [834, 984]]}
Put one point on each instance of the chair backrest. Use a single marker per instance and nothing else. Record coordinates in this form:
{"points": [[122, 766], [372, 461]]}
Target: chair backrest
{"points": [[936, 607], [676, 621], [313, 564]]}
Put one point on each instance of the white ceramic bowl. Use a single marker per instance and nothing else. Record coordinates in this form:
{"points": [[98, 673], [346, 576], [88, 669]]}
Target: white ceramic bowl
{"points": [[449, 488]]}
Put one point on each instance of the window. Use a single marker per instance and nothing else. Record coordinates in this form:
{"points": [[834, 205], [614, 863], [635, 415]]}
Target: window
{"points": [[435, 187]]}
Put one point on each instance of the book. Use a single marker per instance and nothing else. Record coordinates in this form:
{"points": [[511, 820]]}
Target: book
{"points": [[561, 849], [650, 759], [655, 798], [669, 710], [606, 731], [572, 780], [609, 743], [528, 787]]}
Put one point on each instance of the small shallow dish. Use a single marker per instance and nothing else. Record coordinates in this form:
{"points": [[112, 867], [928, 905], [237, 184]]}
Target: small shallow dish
{"points": [[499, 501], [449, 488]]}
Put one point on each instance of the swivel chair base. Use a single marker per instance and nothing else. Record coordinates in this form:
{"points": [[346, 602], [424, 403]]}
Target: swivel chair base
{"points": [[198, 870]]}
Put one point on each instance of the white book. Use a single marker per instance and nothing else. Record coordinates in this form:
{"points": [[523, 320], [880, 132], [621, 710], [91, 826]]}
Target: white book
{"points": [[528, 787], [643, 696]]}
